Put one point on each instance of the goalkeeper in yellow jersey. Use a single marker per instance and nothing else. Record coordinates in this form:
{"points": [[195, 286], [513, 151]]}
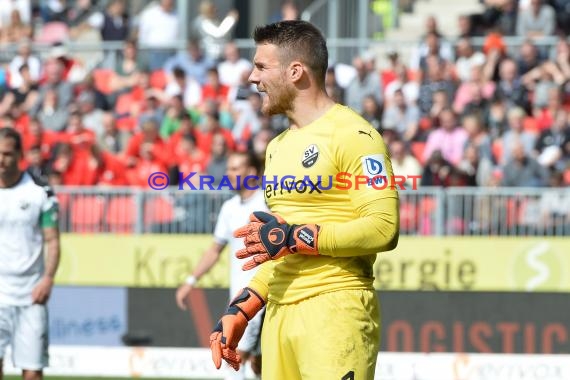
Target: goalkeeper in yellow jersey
{"points": [[333, 209]]}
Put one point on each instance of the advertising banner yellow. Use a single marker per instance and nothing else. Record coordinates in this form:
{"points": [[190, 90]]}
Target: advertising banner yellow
{"points": [[418, 263]]}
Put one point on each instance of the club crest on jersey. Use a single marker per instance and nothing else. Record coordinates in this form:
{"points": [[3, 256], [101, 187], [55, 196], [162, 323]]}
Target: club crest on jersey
{"points": [[310, 156], [24, 205]]}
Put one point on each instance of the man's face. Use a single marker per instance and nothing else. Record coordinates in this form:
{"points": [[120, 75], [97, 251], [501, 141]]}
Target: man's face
{"points": [[9, 158], [270, 78], [237, 166]]}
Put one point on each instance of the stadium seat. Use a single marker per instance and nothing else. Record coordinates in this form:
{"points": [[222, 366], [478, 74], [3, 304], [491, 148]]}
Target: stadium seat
{"points": [[121, 214], [124, 104], [128, 124], [52, 32], [87, 213], [418, 150], [408, 217], [531, 125], [102, 79], [158, 79], [158, 210]]}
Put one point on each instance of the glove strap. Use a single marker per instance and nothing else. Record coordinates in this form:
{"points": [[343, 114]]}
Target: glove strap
{"points": [[248, 302], [304, 238]]}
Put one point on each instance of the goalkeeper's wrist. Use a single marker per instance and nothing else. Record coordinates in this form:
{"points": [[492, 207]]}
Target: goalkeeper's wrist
{"points": [[304, 239]]}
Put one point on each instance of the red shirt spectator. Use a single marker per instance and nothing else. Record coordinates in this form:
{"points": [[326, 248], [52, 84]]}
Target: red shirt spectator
{"points": [[212, 127], [213, 89], [36, 135], [149, 134], [188, 157], [147, 164]]}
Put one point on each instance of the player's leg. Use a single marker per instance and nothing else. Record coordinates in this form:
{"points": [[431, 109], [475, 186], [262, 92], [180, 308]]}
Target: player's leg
{"points": [[279, 361], [5, 334], [30, 341], [338, 335]]}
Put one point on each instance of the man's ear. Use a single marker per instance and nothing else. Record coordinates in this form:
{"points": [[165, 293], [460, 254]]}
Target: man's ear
{"points": [[296, 70]]}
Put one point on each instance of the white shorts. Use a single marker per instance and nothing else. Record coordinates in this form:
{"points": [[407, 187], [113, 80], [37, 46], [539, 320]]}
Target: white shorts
{"points": [[25, 328], [252, 334]]}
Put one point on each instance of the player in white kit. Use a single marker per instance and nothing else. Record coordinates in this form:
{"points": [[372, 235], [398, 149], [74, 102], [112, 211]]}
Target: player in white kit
{"points": [[234, 213], [28, 221]]}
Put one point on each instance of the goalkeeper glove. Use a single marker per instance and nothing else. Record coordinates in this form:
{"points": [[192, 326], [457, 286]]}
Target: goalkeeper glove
{"points": [[269, 237], [229, 330]]}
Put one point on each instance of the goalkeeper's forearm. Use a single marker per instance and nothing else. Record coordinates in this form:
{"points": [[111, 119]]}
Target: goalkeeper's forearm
{"points": [[377, 230]]}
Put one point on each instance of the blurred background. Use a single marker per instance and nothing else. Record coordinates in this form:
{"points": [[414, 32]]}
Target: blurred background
{"points": [[472, 96]]}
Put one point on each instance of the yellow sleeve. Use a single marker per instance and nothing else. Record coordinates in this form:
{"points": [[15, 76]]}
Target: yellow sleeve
{"points": [[376, 229], [260, 281]]}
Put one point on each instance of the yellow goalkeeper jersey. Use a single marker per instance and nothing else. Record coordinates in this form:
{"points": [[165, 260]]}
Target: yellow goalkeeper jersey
{"points": [[335, 172]]}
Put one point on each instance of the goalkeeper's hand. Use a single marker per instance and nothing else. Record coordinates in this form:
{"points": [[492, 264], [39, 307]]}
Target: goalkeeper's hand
{"points": [[229, 330], [269, 237]]}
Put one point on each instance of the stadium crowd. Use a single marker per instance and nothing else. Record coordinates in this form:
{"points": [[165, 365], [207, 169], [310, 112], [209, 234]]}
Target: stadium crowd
{"points": [[455, 114]]}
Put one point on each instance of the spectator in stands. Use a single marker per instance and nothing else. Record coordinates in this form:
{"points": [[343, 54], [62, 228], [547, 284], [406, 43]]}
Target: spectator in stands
{"points": [[112, 23], [516, 135], [366, 82], [53, 10], [218, 158], [466, 27], [528, 58], [77, 136], [258, 144], [158, 28], [539, 20], [35, 163], [467, 59], [174, 112], [106, 169], [523, 170], [36, 135], [24, 56], [554, 205], [477, 170], [248, 120], [92, 118], [434, 82], [128, 66], [553, 144], [186, 126], [334, 90], [496, 120], [449, 139], [231, 68], [148, 162], [477, 137], [432, 42], [402, 117], [148, 134], [21, 99], [186, 86], [188, 157], [510, 86], [404, 164], [151, 108], [545, 116], [209, 128], [289, 10], [410, 88], [372, 111], [17, 27], [112, 139], [50, 115], [54, 82], [437, 171], [440, 101], [477, 86], [501, 15], [213, 89], [193, 61], [478, 104], [212, 32], [88, 86]]}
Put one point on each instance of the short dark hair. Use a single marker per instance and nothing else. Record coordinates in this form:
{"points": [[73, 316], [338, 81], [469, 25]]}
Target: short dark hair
{"points": [[251, 159], [299, 40], [11, 133]]}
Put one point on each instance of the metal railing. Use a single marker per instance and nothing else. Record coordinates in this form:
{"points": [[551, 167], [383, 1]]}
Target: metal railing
{"points": [[425, 211]]}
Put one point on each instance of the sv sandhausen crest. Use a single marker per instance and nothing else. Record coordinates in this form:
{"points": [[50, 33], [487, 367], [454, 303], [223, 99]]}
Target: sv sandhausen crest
{"points": [[310, 156]]}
